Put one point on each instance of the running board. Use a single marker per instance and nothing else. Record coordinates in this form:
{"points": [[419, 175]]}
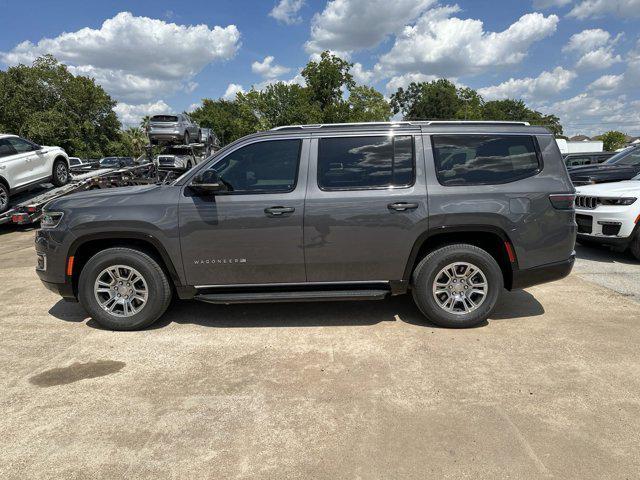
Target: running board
{"points": [[305, 296]]}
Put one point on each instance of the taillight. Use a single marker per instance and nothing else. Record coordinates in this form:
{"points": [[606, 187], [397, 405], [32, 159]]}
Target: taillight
{"points": [[563, 201]]}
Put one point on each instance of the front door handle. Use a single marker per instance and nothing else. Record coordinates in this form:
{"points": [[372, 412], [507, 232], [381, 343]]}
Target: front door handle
{"points": [[279, 211], [402, 206]]}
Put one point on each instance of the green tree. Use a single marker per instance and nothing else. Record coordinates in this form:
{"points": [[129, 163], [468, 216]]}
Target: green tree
{"points": [[327, 80], [228, 119], [280, 104], [49, 105], [613, 140], [368, 105], [436, 100], [516, 110], [133, 141]]}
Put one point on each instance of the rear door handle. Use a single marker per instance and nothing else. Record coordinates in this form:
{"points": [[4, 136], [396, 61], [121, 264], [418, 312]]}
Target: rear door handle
{"points": [[279, 211], [402, 206]]}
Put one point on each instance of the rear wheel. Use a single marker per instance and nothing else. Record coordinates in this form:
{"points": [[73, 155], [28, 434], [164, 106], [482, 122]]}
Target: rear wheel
{"points": [[4, 197], [60, 174], [124, 289], [187, 139], [457, 286]]}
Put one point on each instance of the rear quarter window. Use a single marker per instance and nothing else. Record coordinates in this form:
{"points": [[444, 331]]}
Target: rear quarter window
{"points": [[484, 159]]}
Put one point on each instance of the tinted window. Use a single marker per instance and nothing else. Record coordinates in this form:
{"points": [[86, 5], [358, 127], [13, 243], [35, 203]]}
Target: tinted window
{"points": [[352, 163], [164, 118], [74, 161], [484, 159], [5, 148], [20, 145], [263, 167], [578, 160], [632, 158]]}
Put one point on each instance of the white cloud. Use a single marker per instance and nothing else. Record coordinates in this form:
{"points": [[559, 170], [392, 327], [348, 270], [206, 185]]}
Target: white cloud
{"points": [[543, 4], [404, 80], [361, 75], [231, 91], [544, 86], [587, 40], [447, 46], [135, 58], [132, 114], [286, 11], [599, 59], [193, 106], [267, 69], [350, 25], [606, 84], [595, 47], [599, 8]]}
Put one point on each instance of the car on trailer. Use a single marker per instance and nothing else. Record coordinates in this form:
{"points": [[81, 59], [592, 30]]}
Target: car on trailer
{"points": [[169, 128], [25, 165]]}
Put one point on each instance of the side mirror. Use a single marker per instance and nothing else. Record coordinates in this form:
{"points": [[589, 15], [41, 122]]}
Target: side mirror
{"points": [[208, 183]]}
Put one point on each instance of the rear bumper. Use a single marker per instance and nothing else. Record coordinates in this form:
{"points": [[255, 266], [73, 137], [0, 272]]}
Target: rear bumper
{"points": [[542, 274]]}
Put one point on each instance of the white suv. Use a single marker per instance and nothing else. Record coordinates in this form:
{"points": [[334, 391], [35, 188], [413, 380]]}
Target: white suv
{"points": [[609, 214], [24, 164]]}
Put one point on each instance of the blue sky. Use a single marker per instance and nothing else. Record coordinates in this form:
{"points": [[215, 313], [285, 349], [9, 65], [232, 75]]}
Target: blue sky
{"points": [[579, 59]]}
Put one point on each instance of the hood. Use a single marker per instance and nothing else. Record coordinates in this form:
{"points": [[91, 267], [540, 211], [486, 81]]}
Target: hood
{"points": [[93, 197], [600, 167], [618, 189]]}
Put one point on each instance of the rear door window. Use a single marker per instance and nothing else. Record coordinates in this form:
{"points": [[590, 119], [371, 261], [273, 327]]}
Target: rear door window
{"points": [[5, 148], [357, 163], [484, 159]]}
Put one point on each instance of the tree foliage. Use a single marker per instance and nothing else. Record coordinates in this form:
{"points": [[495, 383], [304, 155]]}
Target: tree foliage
{"points": [[613, 140], [47, 104]]}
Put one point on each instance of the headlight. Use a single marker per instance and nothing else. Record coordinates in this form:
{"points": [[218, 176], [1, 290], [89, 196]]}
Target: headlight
{"points": [[618, 201], [51, 219]]}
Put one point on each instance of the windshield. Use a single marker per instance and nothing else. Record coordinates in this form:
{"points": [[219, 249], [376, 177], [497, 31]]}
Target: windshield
{"points": [[628, 156], [109, 161]]}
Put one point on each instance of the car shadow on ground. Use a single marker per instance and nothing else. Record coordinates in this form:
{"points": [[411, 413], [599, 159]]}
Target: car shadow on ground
{"points": [[603, 253], [511, 306]]}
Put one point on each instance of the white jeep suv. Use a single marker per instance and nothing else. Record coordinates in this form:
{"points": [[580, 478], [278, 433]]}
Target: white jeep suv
{"points": [[609, 214], [24, 164]]}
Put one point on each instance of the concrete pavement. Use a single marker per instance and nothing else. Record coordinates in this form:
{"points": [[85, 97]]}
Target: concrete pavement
{"points": [[549, 388]]}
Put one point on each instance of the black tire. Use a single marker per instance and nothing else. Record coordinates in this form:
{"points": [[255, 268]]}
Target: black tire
{"points": [[634, 246], [187, 138], [189, 166], [424, 277], [158, 288], [60, 173], [4, 197]]}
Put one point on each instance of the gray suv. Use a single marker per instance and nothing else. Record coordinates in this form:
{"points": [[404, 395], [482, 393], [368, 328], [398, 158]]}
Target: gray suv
{"points": [[173, 128], [452, 212]]}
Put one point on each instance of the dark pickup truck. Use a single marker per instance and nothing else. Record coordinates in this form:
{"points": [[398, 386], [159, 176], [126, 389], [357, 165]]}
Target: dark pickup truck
{"points": [[623, 166]]}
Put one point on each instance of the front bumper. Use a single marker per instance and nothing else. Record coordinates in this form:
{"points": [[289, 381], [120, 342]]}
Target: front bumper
{"points": [[600, 221], [543, 274], [51, 250]]}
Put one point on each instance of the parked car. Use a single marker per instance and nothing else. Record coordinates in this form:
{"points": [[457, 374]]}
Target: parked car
{"points": [[609, 214], [452, 212], [24, 164], [116, 162], [176, 157], [173, 128], [622, 166], [78, 165], [593, 158]]}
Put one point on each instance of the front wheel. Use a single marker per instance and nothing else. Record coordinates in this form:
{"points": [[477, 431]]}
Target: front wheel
{"points": [[60, 174], [124, 289], [457, 286]]}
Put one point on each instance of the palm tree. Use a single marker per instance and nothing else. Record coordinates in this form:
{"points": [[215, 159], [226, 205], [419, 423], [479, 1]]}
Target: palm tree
{"points": [[134, 139], [144, 123]]}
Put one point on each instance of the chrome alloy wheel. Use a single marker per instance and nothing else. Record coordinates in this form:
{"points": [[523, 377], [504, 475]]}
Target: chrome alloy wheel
{"points": [[460, 288], [121, 291], [61, 172]]}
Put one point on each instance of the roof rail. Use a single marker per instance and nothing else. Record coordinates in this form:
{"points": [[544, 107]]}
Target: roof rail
{"points": [[400, 123]]}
